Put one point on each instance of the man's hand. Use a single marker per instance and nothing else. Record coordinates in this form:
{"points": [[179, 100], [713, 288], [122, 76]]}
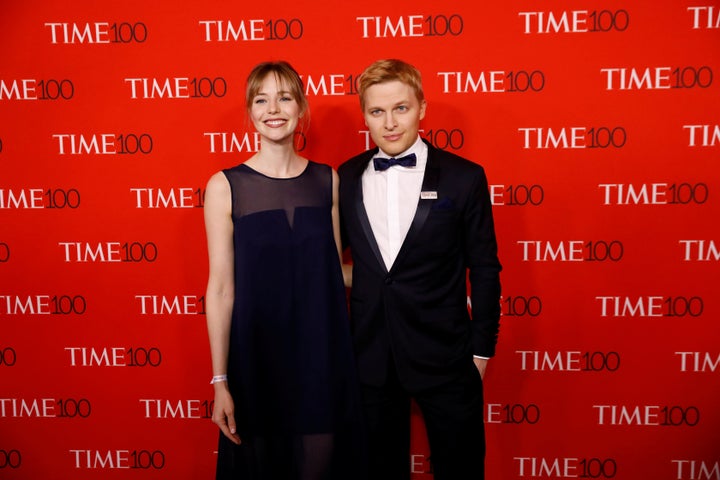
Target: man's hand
{"points": [[481, 364]]}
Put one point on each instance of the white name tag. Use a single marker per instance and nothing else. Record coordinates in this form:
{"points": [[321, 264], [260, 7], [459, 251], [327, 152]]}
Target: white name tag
{"points": [[428, 195]]}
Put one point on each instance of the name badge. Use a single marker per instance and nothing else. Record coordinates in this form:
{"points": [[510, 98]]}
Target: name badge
{"points": [[428, 195]]}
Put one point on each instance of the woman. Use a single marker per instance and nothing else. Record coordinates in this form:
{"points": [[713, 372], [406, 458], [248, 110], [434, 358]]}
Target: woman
{"points": [[283, 371]]}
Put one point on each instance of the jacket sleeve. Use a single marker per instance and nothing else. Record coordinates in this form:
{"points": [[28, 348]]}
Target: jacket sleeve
{"points": [[484, 267]]}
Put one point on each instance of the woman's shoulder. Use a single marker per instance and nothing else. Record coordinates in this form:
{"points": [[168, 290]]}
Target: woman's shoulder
{"points": [[218, 181]]}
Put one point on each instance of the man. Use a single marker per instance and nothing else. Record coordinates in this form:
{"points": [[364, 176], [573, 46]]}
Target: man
{"points": [[417, 220]]}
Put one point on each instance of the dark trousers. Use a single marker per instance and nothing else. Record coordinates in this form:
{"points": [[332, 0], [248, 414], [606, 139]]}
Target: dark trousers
{"points": [[453, 415]]}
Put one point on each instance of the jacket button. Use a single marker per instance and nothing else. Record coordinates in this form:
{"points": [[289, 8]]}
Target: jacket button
{"points": [[388, 280]]}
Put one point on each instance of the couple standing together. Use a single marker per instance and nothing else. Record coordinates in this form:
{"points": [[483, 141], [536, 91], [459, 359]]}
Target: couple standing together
{"points": [[302, 392]]}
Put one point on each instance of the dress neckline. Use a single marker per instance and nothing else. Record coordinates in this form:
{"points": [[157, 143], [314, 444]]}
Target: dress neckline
{"points": [[304, 170]]}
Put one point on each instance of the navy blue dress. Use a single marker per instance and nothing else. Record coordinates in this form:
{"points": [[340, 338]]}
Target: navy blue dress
{"points": [[290, 365]]}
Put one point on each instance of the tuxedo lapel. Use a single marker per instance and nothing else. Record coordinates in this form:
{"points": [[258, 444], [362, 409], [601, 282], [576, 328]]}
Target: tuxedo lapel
{"points": [[429, 189], [362, 215]]}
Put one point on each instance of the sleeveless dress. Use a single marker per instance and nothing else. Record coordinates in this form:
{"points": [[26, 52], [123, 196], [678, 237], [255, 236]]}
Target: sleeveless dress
{"points": [[291, 369]]}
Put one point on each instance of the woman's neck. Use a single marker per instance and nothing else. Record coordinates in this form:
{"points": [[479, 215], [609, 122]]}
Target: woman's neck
{"points": [[277, 160]]}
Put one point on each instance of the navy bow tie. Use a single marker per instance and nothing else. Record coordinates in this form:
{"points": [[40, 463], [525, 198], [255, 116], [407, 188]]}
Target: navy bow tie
{"points": [[385, 163]]}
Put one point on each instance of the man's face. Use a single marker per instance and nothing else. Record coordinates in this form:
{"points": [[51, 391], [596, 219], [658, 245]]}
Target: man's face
{"points": [[392, 114]]}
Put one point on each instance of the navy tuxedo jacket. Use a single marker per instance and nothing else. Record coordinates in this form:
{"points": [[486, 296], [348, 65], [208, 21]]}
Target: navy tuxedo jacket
{"points": [[415, 315]]}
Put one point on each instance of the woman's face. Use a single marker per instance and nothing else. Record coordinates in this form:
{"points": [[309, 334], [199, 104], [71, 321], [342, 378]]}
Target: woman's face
{"points": [[275, 111]]}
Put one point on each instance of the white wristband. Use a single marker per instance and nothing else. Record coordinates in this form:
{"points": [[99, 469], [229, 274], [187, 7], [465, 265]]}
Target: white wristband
{"points": [[218, 378]]}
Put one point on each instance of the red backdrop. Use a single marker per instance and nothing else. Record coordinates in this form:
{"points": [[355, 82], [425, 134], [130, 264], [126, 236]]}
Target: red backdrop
{"points": [[597, 123]]}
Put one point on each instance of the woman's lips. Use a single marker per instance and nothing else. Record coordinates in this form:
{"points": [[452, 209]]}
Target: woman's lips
{"points": [[275, 122]]}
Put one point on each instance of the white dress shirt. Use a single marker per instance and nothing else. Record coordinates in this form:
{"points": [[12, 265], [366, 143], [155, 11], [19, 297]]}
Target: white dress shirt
{"points": [[391, 198]]}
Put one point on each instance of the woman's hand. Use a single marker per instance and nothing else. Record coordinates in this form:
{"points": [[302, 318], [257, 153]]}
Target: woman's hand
{"points": [[224, 412]]}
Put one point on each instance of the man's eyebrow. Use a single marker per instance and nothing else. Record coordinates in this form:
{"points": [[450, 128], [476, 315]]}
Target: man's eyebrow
{"points": [[401, 102]]}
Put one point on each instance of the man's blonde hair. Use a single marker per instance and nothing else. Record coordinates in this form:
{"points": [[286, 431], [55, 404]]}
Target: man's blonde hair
{"points": [[389, 70]]}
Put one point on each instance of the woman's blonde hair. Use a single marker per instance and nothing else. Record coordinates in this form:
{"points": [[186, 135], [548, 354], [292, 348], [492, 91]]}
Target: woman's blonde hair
{"points": [[286, 76]]}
